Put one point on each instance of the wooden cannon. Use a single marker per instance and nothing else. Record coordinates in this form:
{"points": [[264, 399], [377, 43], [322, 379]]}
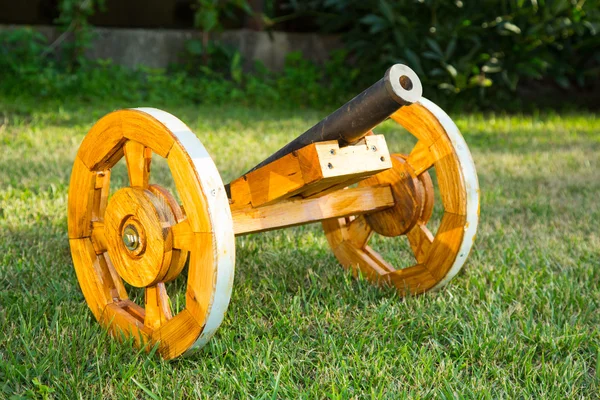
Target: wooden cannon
{"points": [[338, 173]]}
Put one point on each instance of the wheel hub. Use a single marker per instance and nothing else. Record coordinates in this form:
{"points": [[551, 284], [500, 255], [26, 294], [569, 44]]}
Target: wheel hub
{"points": [[138, 236], [410, 195], [131, 238]]}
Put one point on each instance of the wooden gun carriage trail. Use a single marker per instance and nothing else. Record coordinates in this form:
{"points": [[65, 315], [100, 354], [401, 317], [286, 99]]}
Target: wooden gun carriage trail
{"points": [[339, 173]]}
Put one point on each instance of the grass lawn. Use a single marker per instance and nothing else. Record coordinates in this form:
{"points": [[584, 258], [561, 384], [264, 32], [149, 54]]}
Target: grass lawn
{"points": [[521, 320]]}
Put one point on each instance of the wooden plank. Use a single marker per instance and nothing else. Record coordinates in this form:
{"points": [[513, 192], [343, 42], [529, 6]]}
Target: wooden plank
{"points": [[312, 170], [449, 176], [189, 188], [335, 231], [359, 232], [138, 158], [420, 239], [119, 288], [119, 319], [177, 335], [366, 158], [94, 279], [202, 276], [420, 122], [98, 237], [183, 235], [446, 245], [280, 179], [370, 155], [102, 147], [421, 158], [145, 128], [358, 260], [158, 311], [81, 200], [300, 211], [240, 194], [412, 280], [101, 192]]}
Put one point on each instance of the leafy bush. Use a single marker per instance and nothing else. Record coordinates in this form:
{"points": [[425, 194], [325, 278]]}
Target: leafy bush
{"points": [[471, 46], [21, 51], [74, 21], [29, 70]]}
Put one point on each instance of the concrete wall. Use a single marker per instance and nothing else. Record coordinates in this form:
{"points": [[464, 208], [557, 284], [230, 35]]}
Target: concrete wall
{"points": [[157, 48]]}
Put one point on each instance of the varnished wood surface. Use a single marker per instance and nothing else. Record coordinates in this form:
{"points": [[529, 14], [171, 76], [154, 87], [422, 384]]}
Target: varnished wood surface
{"points": [[396, 198], [409, 199], [301, 211], [96, 225], [438, 258], [310, 171]]}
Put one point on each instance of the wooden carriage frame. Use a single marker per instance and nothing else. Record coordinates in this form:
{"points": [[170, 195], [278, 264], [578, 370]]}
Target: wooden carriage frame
{"points": [[143, 236]]}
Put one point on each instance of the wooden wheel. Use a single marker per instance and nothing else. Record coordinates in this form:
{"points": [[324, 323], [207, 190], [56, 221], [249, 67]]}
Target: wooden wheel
{"points": [[441, 146], [142, 236]]}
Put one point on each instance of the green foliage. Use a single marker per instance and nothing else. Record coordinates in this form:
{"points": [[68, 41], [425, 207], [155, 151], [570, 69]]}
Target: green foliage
{"points": [[209, 14], [73, 18], [21, 52], [29, 71], [199, 58], [471, 46], [208, 18]]}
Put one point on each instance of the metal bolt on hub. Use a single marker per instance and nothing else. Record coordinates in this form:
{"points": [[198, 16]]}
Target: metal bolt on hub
{"points": [[131, 238]]}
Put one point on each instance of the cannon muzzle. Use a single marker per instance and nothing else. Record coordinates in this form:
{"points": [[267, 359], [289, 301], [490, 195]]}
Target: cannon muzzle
{"points": [[400, 86]]}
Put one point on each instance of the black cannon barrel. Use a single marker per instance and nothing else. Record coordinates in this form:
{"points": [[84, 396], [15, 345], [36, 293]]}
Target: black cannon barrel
{"points": [[351, 122]]}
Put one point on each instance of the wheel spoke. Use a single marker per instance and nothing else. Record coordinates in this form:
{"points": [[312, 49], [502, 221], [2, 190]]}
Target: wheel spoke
{"points": [[98, 237], [101, 190], [421, 158], [157, 306], [183, 235], [117, 282], [138, 158], [420, 239], [376, 257], [359, 232]]}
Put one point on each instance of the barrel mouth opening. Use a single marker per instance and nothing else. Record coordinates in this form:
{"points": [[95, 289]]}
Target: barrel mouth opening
{"points": [[405, 82]]}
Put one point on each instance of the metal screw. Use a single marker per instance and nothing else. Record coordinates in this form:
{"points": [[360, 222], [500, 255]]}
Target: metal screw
{"points": [[213, 192], [332, 151], [373, 148], [382, 158], [131, 238], [330, 166]]}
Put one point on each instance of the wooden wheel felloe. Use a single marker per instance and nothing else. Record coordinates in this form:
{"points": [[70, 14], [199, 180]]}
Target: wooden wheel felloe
{"points": [[142, 236], [441, 146]]}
